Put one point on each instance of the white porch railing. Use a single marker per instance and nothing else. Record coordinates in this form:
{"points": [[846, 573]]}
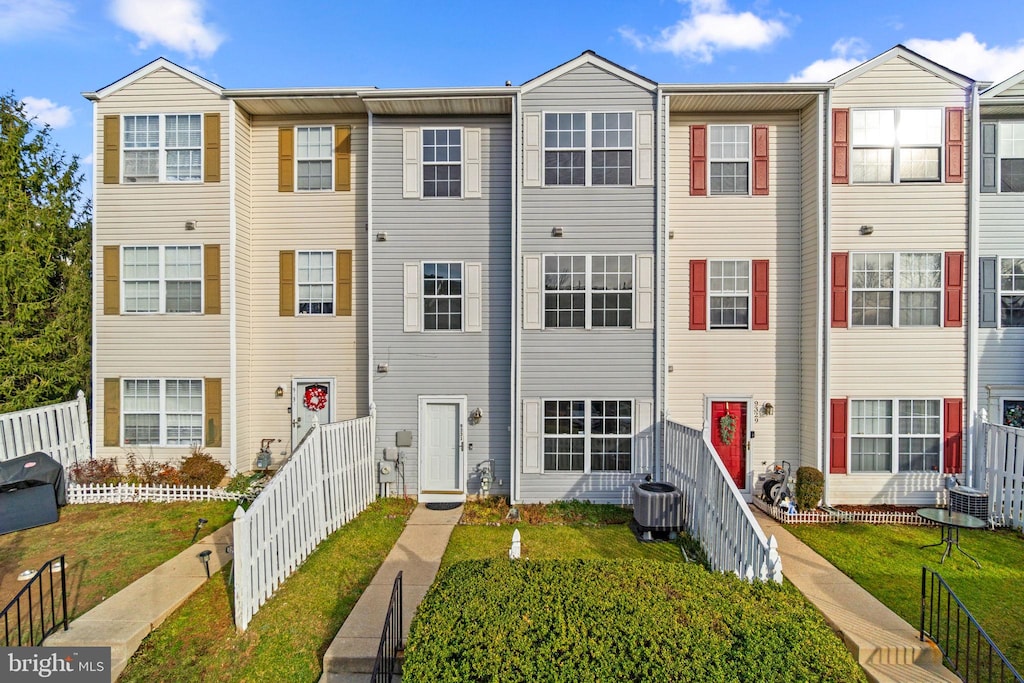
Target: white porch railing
{"points": [[328, 481], [714, 512], [60, 430], [1004, 459]]}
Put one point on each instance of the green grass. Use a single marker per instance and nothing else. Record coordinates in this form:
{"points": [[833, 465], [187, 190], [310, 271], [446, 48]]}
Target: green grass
{"points": [[886, 560], [106, 546], [287, 638]]}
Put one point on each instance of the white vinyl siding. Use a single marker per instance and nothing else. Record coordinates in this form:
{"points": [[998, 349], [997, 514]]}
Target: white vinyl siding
{"points": [[162, 279], [162, 412], [162, 148]]}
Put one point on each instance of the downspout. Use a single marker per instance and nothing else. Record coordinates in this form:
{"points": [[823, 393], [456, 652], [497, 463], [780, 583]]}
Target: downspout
{"points": [[95, 280], [824, 375], [661, 285], [516, 336], [371, 408], [973, 475], [232, 290]]}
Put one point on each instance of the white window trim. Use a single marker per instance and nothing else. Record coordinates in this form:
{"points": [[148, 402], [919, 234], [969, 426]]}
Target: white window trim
{"points": [[162, 148], [588, 293], [895, 177], [897, 290], [1000, 292], [895, 435], [750, 292], [163, 411], [162, 280], [588, 435], [461, 164], [749, 159], [334, 283], [295, 154], [423, 298], [588, 147], [999, 157]]}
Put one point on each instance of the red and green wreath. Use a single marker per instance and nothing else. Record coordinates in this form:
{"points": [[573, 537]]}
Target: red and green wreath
{"points": [[315, 398]]}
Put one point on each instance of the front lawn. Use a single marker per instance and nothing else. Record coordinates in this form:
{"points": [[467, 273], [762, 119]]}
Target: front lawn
{"points": [[886, 560]]}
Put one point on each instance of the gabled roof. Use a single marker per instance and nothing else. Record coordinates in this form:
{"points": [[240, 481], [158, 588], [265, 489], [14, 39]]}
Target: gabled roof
{"points": [[155, 65], [906, 53], [594, 59], [1001, 87]]}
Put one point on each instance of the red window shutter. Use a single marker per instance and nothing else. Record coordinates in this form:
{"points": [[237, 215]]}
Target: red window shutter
{"points": [[760, 294], [840, 146], [953, 435], [699, 161], [954, 303], [954, 144], [760, 160], [698, 294], [840, 289], [838, 413]]}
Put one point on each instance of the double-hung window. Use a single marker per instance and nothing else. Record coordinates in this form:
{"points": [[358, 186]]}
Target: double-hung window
{"points": [[162, 148], [1011, 292], [314, 156], [895, 145], [901, 290], [588, 148], [442, 162], [442, 296], [162, 279], [729, 159], [162, 412], [1011, 156], [902, 435], [588, 291], [316, 281], [729, 291], [588, 435]]}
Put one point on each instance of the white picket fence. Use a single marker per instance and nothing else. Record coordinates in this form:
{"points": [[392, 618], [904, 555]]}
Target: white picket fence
{"points": [[60, 430], [714, 512], [822, 517], [328, 481], [143, 493], [1004, 455]]}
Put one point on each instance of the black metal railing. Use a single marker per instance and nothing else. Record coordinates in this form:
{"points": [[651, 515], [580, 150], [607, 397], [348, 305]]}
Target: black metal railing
{"points": [[38, 609], [390, 637], [966, 648]]}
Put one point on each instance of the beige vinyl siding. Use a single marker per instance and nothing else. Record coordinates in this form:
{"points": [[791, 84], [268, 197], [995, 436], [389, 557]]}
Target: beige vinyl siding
{"points": [[762, 365], [1014, 91], [161, 345], [898, 83], [309, 346], [813, 166], [919, 488], [247, 442]]}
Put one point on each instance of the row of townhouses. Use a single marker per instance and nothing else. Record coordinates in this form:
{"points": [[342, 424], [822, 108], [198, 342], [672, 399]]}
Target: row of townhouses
{"points": [[529, 279]]}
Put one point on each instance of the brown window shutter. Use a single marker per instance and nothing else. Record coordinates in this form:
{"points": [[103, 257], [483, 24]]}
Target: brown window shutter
{"points": [[953, 435], [214, 423], [840, 146], [342, 158], [699, 294], [111, 279], [698, 161], [211, 278], [954, 300], [838, 416], [954, 144], [112, 411], [112, 149], [211, 148], [286, 279], [343, 306], [760, 160], [840, 289], [286, 159], [760, 294]]}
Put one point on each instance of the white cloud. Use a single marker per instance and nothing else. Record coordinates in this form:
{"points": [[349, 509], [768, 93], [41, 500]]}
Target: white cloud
{"points": [[846, 54], [21, 19], [966, 55], [712, 27], [46, 111], [87, 160], [176, 24]]}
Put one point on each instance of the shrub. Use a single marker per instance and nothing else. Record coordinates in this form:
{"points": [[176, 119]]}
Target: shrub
{"points": [[149, 473], [810, 486], [616, 620], [96, 471], [200, 469]]}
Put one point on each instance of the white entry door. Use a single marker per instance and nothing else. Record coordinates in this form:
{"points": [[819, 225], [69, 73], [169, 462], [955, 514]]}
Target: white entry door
{"points": [[442, 449], [302, 417]]}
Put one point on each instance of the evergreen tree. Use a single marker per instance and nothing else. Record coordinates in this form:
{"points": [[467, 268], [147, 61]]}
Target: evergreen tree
{"points": [[45, 267]]}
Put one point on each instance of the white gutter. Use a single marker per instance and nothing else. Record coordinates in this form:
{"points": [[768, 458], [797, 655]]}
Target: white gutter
{"points": [[96, 388], [369, 262], [661, 285], [824, 376], [972, 474], [232, 292], [516, 336]]}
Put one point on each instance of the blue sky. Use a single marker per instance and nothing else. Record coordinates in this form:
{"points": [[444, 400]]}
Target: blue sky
{"points": [[52, 50]]}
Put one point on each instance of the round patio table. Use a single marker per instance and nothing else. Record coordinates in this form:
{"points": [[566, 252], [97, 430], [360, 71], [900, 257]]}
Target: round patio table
{"points": [[950, 524]]}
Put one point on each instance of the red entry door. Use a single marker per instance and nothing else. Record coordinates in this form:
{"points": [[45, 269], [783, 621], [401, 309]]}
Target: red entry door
{"points": [[733, 453]]}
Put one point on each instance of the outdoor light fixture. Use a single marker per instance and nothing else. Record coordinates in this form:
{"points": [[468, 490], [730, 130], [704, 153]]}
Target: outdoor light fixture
{"points": [[769, 409], [199, 525], [382, 237], [476, 415], [279, 392], [557, 232], [867, 229], [205, 557]]}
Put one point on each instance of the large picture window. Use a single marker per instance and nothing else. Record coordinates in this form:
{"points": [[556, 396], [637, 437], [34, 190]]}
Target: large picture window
{"points": [[162, 148], [583, 148], [903, 290], [902, 435], [162, 412], [162, 279], [588, 435], [588, 291], [895, 145]]}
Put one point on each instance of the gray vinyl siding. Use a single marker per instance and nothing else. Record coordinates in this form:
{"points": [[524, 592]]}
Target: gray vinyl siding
{"points": [[597, 363], [472, 364]]}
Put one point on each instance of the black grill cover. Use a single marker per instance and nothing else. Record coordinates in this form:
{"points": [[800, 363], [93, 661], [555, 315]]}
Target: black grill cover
{"points": [[34, 469], [31, 489]]}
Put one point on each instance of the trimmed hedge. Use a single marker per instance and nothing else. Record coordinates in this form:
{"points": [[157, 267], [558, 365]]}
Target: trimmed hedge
{"points": [[616, 620], [810, 487]]}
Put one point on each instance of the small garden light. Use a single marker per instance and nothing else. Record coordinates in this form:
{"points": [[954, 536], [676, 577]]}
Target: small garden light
{"points": [[205, 557], [199, 525]]}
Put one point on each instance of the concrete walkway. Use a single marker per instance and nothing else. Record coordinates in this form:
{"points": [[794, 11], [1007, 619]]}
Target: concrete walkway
{"points": [[417, 554], [121, 621], [885, 646]]}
